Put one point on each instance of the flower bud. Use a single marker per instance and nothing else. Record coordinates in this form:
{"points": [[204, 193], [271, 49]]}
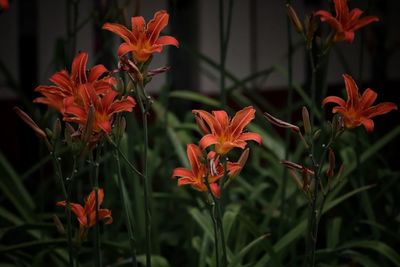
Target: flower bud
{"points": [[294, 19], [306, 121], [25, 117], [281, 123]]}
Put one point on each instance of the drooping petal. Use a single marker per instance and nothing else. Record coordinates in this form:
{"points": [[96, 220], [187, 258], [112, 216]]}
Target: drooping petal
{"points": [[334, 99], [182, 172], [251, 136], [215, 190], [96, 72], [125, 48], [207, 141], [167, 40], [368, 124], [123, 105]]}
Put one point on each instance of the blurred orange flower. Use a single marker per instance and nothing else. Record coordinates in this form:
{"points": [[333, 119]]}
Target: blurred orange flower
{"points": [[200, 167], [223, 132], [358, 109], [4, 5], [104, 108], [143, 40], [87, 215], [346, 22], [67, 85]]}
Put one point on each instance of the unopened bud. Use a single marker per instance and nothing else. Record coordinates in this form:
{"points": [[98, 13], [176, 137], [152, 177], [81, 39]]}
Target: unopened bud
{"points": [[306, 121], [281, 123], [121, 127], [89, 125], [331, 159], [317, 134], [129, 66], [25, 117], [295, 166], [56, 129], [58, 224], [298, 26]]}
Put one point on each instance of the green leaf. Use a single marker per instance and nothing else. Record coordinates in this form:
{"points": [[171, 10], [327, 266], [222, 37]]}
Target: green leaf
{"points": [[230, 215], [195, 97], [203, 220], [364, 260], [14, 190], [239, 256], [376, 246], [156, 261]]}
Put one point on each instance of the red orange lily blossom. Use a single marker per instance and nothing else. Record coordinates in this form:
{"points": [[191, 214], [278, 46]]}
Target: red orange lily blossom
{"points": [[104, 108], [358, 109], [87, 215], [202, 166], [346, 22], [67, 85], [225, 133], [75, 94], [143, 40]]}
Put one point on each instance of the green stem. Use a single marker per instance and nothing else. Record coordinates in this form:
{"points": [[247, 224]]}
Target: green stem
{"points": [[59, 175], [125, 207], [313, 83], [315, 213], [213, 215], [96, 225], [223, 46], [144, 107]]}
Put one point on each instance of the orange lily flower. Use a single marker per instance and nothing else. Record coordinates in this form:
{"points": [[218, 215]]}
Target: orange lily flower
{"points": [[144, 39], [199, 169], [358, 109], [223, 132], [346, 22], [87, 215], [67, 85], [4, 5], [104, 108]]}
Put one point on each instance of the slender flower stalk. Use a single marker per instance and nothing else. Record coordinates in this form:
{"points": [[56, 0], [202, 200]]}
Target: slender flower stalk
{"points": [[212, 210], [223, 41], [128, 218], [59, 175], [144, 108]]}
